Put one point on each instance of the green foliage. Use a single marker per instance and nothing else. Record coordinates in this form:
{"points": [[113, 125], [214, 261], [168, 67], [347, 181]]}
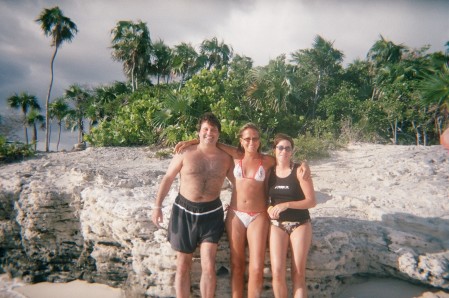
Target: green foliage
{"points": [[131, 126], [310, 95], [14, 151], [308, 147]]}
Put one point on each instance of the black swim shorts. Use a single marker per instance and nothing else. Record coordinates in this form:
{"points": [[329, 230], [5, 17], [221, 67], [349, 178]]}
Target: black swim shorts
{"points": [[192, 223]]}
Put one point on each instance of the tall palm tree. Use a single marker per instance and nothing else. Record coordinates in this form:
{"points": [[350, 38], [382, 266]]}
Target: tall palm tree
{"points": [[59, 109], [131, 44], [34, 117], [24, 101], [61, 29]]}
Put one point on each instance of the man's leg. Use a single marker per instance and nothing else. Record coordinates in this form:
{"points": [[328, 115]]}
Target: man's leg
{"points": [[208, 281], [182, 278]]}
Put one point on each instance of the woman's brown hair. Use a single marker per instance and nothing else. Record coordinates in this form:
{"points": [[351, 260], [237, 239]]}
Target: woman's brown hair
{"points": [[245, 127], [280, 137]]}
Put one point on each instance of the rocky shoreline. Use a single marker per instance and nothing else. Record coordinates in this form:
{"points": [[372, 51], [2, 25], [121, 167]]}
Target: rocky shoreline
{"points": [[382, 211]]}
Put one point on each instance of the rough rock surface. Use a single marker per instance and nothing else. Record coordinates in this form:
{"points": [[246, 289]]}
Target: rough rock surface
{"points": [[383, 211]]}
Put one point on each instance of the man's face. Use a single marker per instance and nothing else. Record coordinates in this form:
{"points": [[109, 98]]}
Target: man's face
{"points": [[208, 133]]}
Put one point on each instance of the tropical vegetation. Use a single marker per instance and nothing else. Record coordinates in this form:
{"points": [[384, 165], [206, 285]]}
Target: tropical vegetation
{"points": [[396, 95]]}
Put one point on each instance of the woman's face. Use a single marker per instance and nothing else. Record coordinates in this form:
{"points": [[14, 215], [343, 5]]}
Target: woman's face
{"points": [[283, 150], [250, 140]]}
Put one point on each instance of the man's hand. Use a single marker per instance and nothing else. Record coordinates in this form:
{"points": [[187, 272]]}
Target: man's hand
{"points": [[304, 170], [157, 217], [184, 144]]}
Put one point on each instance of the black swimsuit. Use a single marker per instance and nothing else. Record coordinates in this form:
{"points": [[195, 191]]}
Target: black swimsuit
{"points": [[283, 190]]}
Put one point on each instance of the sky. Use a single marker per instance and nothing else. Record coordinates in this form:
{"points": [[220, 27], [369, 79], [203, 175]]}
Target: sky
{"points": [[260, 29]]}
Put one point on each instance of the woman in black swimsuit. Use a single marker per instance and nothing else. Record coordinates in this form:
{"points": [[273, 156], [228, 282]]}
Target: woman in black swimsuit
{"points": [[290, 197]]}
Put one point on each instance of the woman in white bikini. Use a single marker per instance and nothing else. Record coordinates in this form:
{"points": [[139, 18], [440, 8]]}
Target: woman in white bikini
{"points": [[290, 197], [247, 222]]}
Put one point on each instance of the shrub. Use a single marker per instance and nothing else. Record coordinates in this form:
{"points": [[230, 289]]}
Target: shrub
{"points": [[13, 151]]}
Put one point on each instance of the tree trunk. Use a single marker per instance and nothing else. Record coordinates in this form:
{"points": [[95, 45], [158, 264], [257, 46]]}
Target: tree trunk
{"points": [[34, 136], [25, 131], [59, 135], [47, 103], [417, 133], [80, 131]]}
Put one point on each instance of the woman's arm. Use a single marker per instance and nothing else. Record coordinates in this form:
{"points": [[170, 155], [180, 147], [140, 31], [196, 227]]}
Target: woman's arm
{"points": [[308, 202], [230, 150], [184, 144]]}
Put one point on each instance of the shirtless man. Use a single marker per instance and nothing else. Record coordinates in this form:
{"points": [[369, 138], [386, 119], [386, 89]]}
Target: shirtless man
{"points": [[197, 216]]}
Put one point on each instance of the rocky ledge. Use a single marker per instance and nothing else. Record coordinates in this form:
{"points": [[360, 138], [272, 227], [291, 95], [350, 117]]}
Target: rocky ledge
{"points": [[383, 211]]}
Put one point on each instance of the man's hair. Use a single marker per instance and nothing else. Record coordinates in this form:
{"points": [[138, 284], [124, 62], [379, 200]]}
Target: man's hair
{"points": [[211, 118]]}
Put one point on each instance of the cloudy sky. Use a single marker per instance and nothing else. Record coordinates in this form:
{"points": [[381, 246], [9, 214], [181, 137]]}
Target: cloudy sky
{"points": [[260, 29]]}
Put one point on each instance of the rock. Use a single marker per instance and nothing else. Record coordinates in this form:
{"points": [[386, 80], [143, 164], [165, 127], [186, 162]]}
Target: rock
{"points": [[383, 211]]}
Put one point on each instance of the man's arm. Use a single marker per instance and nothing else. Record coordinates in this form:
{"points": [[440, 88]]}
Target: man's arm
{"points": [[164, 187], [304, 170]]}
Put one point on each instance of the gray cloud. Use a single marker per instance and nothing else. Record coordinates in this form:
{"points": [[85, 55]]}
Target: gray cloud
{"points": [[260, 29]]}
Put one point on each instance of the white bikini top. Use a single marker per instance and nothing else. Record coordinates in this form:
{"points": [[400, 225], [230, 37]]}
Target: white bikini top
{"points": [[258, 176]]}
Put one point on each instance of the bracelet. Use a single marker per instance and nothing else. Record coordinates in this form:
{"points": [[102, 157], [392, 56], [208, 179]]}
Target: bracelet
{"points": [[157, 207]]}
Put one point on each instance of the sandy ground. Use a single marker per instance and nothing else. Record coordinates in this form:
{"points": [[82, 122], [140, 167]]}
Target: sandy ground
{"points": [[74, 289], [371, 288]]}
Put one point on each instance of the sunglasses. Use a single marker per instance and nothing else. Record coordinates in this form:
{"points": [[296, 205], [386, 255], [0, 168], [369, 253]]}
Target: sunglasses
{"points": [[250, 139], [287, 148]]}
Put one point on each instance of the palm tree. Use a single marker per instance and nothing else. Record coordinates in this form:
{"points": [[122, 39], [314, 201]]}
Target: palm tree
{"points": [[24, 101], [384, 51], [34, 117], [131, 44], [435, 91], [80, 98], [270, 86], [184, 61], [60, 29], [161, 61], [59, 109], [323, 62], [215, 54]]}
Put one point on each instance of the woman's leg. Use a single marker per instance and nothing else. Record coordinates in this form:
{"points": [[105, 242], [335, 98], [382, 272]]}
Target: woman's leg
{"points": [[301, 239], [236, 232], [279, 242], [257, 235]]}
